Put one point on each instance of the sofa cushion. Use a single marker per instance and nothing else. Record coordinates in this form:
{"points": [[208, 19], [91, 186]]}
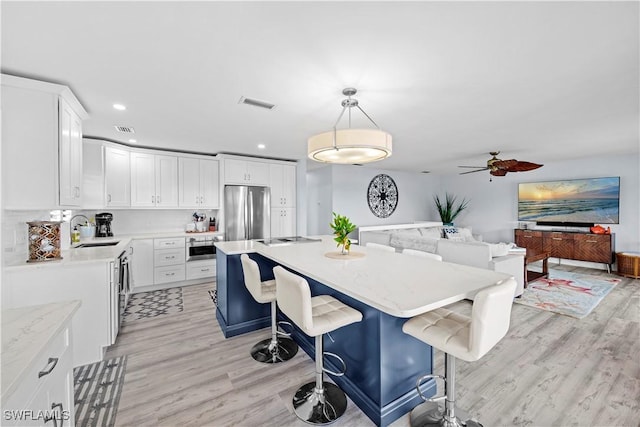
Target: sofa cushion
{"points": [[499, 249], [432, 232], [404, 240]]}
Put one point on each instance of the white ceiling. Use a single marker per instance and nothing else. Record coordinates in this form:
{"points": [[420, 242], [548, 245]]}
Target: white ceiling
{"points": [[451, 81]]}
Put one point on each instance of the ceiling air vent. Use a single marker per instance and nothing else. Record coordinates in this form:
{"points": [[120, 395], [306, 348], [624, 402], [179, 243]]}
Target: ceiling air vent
{"points": [[256, 103], [125, 129]]}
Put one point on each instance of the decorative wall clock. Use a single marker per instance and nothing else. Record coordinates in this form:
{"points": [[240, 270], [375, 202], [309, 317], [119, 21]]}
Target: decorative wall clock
{"points": [[382, 196]]}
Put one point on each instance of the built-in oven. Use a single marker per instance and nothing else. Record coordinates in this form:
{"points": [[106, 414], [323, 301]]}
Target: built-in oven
{"points": [[200, 247]]}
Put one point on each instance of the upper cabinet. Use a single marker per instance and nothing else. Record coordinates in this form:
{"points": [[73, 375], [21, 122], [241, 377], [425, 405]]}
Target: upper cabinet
{"points": [[154, 180], [282, 180], [41, 145], [246, 172], [199, 183], [116, 177]]}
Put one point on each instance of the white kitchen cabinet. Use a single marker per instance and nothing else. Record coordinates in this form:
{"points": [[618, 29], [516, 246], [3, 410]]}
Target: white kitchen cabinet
{"points": [[41, 170], [88, 282], [169, 260], [116, 177], [282, 181], [154, 180], [283, 222], [70, 155], [47, 382], [246, 172], [199, 183], [201, 269], [141, 263]]}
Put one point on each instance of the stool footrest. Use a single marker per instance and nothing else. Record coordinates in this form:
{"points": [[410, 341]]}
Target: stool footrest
{"points": [[428, 377], [284, 333], [335, 356]]}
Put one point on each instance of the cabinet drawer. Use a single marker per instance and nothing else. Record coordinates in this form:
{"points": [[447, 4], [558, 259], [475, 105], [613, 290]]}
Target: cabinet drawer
{"points": [[163, 257], [174, 242], [594, 248], [174, 273], [200, 271]]}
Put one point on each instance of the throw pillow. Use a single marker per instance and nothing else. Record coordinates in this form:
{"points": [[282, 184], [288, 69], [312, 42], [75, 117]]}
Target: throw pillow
{"points": [[499, 249], [466, 235], [450, 232], [420, 243]]}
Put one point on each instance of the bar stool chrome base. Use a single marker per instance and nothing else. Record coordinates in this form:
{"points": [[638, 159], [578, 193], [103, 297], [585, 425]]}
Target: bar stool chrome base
{"points": [[430, 414], [266, 352], [319, 408]]}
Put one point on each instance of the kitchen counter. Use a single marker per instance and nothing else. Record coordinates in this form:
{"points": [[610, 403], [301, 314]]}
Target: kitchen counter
{"points": [[76, 255], [238, 247], [26, 333]]}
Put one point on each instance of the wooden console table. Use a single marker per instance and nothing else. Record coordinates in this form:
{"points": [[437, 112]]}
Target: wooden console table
{"points": [[569, 245], [534, 255]]}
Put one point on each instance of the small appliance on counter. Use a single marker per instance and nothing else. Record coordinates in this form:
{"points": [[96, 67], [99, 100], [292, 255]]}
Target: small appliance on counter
{"points": [[103, 224]]}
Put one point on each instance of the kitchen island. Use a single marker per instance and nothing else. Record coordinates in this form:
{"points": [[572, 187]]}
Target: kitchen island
{"points": [[383, 363]]}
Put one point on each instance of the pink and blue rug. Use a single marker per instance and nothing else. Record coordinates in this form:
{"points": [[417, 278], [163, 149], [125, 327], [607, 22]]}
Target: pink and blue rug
{"points": [[570, 294]]}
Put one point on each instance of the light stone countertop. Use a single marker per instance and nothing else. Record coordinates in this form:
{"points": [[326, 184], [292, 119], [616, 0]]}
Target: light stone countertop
{"points": [[238, 247], [397, 284], [26, 333], [103, 253]]}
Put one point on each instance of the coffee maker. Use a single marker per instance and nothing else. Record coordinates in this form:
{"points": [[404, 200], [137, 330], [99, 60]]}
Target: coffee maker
{"points": [[103, 224]]}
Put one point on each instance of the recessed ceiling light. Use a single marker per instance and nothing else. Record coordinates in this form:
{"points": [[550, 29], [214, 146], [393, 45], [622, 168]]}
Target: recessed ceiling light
{"points": [[119, 107], [262, 146], [133, 141]]}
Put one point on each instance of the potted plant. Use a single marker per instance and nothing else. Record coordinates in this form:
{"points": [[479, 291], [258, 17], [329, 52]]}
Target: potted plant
{"points": [[341, 227], [447, 210]]}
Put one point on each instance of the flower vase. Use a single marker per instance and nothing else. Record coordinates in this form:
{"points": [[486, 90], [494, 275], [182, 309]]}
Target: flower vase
{"points": [[344, 250]]}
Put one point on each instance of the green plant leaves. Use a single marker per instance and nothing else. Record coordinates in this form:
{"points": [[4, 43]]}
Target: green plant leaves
{"points": [[447, 210], [341, 227]]}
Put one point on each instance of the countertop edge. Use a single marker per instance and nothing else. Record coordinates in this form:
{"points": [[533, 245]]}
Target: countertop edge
{"points": [[68, 309]]}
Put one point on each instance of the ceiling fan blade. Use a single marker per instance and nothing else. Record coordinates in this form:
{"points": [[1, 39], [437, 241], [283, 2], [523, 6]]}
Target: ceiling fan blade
{"points": [[504, 164], [474, 167], [523, 167], [498, 172], [478, 170]]}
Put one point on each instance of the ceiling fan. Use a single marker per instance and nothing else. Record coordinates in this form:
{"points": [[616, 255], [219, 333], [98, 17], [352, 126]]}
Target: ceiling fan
{"points": [[498, 167]]}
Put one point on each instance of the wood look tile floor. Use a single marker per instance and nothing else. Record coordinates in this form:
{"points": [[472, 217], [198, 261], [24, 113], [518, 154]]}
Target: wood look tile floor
{"points": [[550, 370]]}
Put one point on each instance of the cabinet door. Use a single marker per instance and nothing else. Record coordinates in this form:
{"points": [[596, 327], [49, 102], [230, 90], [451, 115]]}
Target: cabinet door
{"points": [[276, 180], [529, 239], [559, 245], [166, 181], [288, 222], [141, 263], [258, 173], [235, 172], [276, 223], [70, 156], [143, 180], [209, 184], [593, 247], [189, 182], [116, 177], [289, 185]]}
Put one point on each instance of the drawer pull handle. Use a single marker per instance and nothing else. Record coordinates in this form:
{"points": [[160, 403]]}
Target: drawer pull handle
{"points": [[170, 257], [527, 237], [53, 361], [592, 241], [204, 269], [557, 238], [171, 274]]}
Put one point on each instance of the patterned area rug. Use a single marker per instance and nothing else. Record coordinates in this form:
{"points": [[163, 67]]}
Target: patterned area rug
{"points": [[145, 305], [213, 293], [97, 389], [571, 294]]}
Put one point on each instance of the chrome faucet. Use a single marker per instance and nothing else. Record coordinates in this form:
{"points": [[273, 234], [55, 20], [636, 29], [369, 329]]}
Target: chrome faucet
{"points": [[71, 225]]}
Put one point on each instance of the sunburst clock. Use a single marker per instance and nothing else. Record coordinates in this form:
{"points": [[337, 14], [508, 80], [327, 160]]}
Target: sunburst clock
{"points": [[382, 196]]}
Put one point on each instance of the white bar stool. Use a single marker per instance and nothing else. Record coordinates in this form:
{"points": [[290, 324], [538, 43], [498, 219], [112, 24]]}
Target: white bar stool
{"points": [[317, 402], [275, 349], [381, 247], [460, 337], [422, 254]]}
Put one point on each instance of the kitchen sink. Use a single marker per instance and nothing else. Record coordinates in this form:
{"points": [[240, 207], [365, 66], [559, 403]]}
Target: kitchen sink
{"points": [[97, 244]]}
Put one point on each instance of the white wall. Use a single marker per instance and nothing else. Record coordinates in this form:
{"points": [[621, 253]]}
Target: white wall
{"points": [[492, 210], [343, 189]]}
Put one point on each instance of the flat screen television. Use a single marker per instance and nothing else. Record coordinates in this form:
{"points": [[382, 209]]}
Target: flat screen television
{"points": [[575, 202]]}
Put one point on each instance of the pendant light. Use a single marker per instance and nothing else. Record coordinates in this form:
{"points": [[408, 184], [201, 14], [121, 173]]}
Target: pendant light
{"points": [[350, 146]]}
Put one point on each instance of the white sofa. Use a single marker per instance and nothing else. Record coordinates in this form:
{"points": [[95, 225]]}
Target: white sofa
{"points": [[429, 238]]}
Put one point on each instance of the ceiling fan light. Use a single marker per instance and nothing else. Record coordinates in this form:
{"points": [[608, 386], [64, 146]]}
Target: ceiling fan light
{"points": [[350, 146]]}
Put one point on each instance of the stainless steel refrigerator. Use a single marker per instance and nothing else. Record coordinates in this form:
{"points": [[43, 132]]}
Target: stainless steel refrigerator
{"points": [[247, 212]]}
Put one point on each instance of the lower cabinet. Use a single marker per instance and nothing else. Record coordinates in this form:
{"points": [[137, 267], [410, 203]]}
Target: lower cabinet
{"points": [[201, 269], [283, 222], [141, 263]]}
